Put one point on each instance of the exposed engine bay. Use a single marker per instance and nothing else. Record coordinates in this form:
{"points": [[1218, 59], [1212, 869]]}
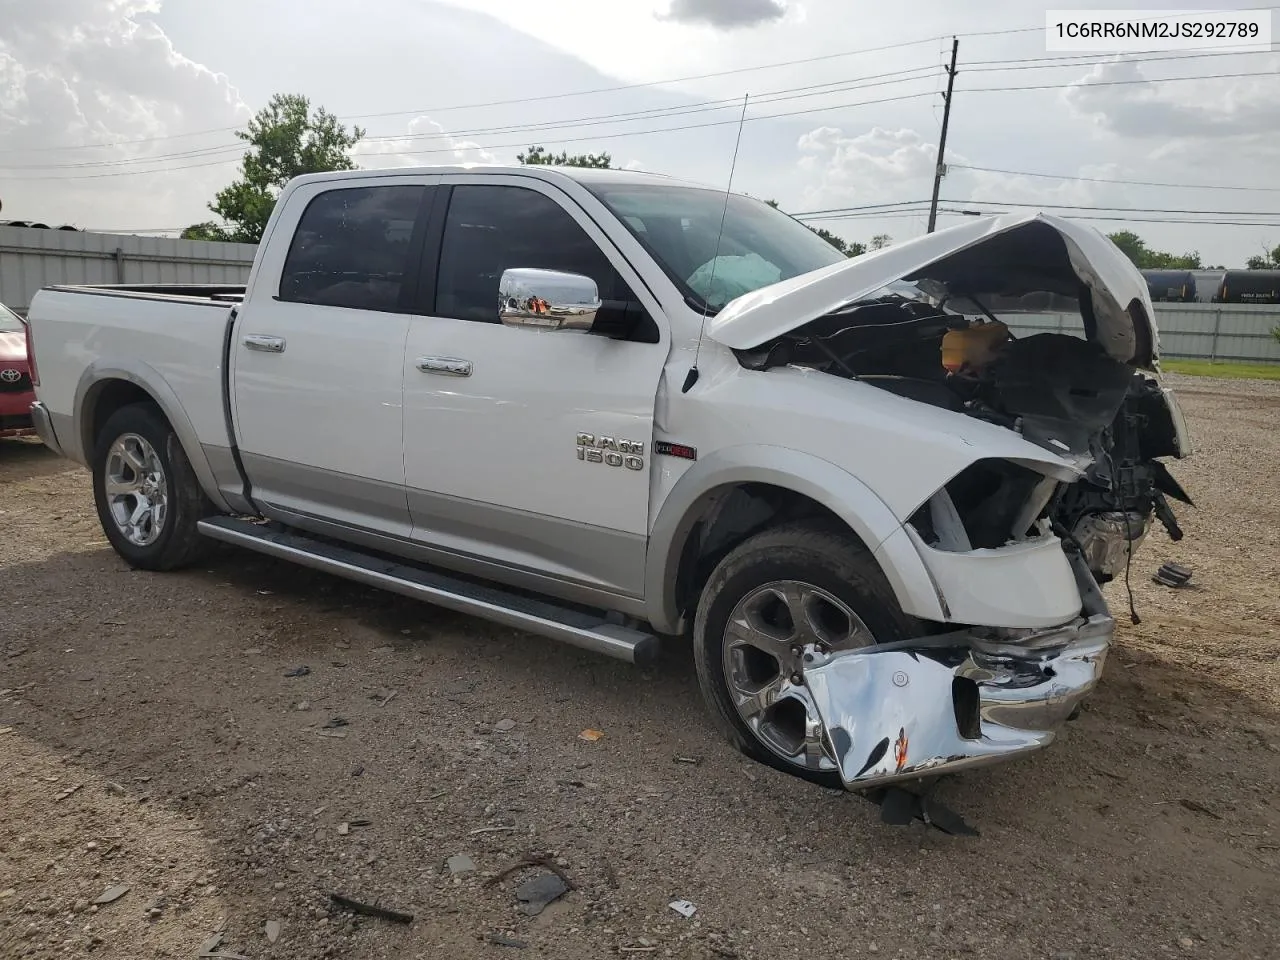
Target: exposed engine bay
{"points": [[935, 337]]}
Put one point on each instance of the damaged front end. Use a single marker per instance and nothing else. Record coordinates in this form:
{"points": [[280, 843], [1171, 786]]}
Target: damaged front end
{"points": [[1015, 550], [927, 321], [941, 704]]}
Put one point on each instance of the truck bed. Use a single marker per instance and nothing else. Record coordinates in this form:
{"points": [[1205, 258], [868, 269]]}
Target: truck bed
{"points": [[170, 336], [218, 292]]}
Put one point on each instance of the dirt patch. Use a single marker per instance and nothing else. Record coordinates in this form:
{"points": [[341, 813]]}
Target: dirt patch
{"points": [[157, 739]]}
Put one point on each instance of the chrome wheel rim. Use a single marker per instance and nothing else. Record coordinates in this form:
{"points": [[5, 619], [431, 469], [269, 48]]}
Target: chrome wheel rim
{"points": [[136, 489], [772, 634]]}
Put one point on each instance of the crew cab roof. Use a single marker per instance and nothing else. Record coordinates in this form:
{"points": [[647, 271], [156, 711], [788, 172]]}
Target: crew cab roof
{"points": [[584, 175]]}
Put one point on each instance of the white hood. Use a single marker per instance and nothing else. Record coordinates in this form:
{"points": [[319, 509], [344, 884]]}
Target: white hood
{"points": [[1008, 255]]}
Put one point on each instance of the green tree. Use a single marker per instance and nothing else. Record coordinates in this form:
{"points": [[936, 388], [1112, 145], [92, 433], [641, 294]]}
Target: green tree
{"points": [[880, 241], [285, 140], [538, 156], [1144, 258], [1270, 260], [850, 248]]}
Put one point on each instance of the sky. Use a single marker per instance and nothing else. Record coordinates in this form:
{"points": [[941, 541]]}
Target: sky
{"points": [[120, 114]]}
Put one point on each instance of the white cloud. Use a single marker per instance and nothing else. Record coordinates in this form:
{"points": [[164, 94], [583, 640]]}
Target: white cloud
{"points": [[80, 73], [1120, 98], [880, 164], [424, 142], [725, 14]]}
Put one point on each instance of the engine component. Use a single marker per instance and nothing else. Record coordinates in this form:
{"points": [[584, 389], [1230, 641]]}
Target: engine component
{"points": [[1108, 539], [973, 348]]}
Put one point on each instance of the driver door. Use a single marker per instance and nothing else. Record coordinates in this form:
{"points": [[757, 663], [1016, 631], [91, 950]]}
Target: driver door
{"points": [[494, 466]]}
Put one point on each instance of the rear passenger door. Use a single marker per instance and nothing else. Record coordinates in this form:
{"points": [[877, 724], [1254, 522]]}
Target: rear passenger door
{"points": [[318, 352], [492, 457]]}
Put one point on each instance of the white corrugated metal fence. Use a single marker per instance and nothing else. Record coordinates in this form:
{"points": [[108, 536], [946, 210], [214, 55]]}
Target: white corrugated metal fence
{"points": [[31, 258], [1194, 331]]}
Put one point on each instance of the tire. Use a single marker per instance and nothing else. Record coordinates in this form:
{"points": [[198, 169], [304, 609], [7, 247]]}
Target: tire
{"points": [[164, 539], [806, 565]]}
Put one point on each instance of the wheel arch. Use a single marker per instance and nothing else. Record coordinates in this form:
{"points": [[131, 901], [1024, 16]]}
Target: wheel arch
{"points": [[784, 484], [105, 387]]}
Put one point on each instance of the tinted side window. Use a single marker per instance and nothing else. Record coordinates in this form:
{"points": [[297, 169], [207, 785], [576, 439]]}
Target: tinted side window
{"points": [[352, 248], [489, 229]]}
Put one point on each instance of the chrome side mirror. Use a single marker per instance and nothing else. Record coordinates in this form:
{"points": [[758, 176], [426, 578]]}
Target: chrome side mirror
{"points": [[547, 299]]}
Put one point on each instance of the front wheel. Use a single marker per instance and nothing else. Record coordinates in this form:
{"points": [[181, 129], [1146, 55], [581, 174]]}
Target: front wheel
{"points": [[148, 498], [779, 598]]}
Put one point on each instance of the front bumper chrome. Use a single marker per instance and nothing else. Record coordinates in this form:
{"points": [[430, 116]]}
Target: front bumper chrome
{"points": [[922, 709]]}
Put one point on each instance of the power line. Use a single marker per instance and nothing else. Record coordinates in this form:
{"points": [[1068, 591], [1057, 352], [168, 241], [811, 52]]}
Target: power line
{"points": [[657, 113], [1138, 183], [683, 127], [1175, 220], [692, 126], [522, 143], [1094, 59], [589, 92], [1071, 206], [1121, 83], [522, 100]]}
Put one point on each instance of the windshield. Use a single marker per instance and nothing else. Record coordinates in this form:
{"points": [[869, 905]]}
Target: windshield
{"points": [[679, 227], [9, 322]]}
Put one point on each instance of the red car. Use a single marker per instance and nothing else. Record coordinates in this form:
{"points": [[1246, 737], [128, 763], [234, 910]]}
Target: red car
{"points": [[16, 392]]}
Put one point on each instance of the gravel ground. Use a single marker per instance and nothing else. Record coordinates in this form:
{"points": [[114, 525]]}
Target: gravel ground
{"points": [[150, 737]]}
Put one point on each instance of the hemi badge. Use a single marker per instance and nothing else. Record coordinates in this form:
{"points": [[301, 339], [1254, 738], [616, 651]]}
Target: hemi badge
{"points": [[663, 448]]}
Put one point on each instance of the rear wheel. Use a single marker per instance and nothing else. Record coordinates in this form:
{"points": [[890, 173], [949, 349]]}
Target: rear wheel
{"points": [[148, 498], [772, 604]]}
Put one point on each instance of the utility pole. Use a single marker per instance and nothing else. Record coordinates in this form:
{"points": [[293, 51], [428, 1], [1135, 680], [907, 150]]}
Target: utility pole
{"points": [[941, 166]]}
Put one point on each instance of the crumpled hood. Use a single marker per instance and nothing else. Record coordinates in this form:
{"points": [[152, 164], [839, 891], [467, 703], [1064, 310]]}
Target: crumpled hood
{"points": [[1004, 257]]}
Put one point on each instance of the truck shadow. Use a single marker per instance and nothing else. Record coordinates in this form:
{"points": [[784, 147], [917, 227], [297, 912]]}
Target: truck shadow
{"points": [[1160, 796]]}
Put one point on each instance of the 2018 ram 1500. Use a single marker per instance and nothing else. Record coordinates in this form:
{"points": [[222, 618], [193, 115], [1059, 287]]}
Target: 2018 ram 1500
{"points": [[605, 406]]}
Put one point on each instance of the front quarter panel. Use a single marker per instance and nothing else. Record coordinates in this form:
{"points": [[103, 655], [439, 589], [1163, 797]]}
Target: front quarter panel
{"points": [[837, 490]]}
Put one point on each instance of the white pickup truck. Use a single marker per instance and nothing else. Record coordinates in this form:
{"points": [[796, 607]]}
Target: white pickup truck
{"points": [[605, 407]]}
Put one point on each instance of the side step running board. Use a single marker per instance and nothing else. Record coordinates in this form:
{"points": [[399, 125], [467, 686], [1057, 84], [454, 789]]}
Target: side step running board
{"points": [[585, 630]]}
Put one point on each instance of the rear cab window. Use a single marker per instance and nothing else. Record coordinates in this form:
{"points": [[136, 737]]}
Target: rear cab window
{"points": [[354, 247]]}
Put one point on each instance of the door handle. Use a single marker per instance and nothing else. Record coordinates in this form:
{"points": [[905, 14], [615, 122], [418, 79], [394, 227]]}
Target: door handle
{"points": [[256, 341], [449, 366]]}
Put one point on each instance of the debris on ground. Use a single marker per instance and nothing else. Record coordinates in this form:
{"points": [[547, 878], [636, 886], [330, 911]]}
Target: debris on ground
{"points": [[344, 828], [502, 726], [301, 671], [683, 907], [336, 722], [532, 860], [499, 940], [460, 863], [1195, 806], [272, 930], [369, 909], [68, 792], [210, 945], [481, 830], [537, 894], [692, 761], [590, 735], [112, 894], [1172, 575]]}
